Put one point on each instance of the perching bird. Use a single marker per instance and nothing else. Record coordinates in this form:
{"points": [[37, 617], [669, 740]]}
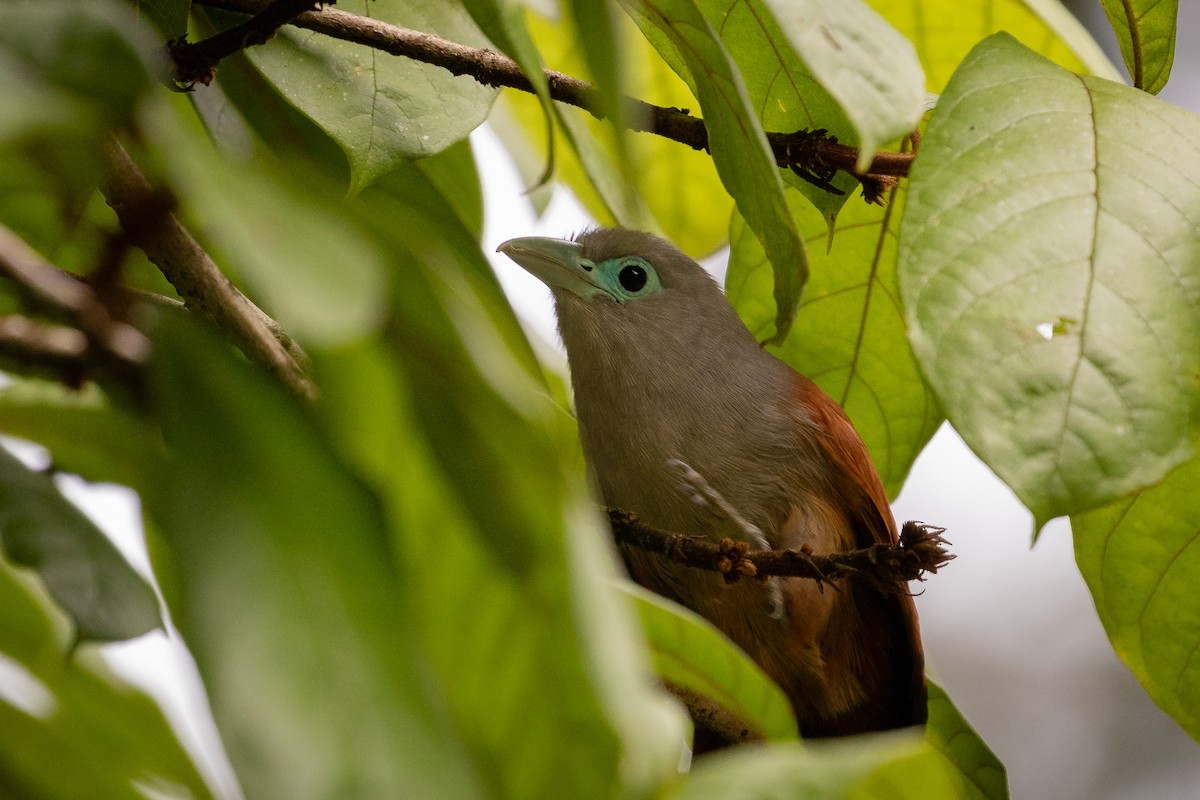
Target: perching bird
{"points": [[663, 370]]}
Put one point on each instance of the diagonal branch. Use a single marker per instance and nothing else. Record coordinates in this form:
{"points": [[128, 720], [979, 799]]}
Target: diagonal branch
{"points": [[810, 151], [145, 215]]}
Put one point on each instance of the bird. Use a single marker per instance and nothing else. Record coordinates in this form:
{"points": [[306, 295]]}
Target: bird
{"points": [[664, 371]]}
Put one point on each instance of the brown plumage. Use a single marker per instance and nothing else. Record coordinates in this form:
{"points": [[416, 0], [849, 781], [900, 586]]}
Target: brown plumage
{"points": [[671, 372]]}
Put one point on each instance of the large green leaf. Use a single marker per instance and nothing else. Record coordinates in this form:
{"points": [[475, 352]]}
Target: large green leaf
{"points": [[691, 653], [1140, 557], [948, 733], [737, 143], [1050, 275], [294, 607], [81, 569], [69, 728], [1146, 33], [943, 32], [381, 109], [446, 414], [849, 336]]}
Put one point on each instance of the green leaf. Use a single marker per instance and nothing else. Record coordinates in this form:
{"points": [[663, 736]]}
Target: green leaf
{"points": [[324, 283], [1045, 26], [85, 434], [948, 733], [69, 728], [738, 145], [504, 23], [849, 335], [381, 109], [1050, 276], [294, 607], [81, 569], [893, 766], [689, 652], [1146, 33], [1140, 557], [589, 161], [817, 64]]}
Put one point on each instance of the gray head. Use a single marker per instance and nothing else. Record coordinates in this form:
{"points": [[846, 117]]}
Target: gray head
{"points": [[620, 292]]}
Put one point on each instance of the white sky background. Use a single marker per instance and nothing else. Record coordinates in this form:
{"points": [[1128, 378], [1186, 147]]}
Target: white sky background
{"points": [[1009, 630]]}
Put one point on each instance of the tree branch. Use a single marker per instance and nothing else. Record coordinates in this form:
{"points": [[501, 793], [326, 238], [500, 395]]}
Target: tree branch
{"points": [[812, 152], [888, 567], [145, 215], [197, 63]]}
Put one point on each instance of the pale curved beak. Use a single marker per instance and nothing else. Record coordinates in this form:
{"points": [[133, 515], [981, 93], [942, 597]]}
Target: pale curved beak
{"points": [[557, 263]]}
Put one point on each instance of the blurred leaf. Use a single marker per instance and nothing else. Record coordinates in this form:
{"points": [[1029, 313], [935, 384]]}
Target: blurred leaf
{"points": [[294, 608], [83, 431], [948, 733], [381, 109], [504, 23], [1140, 557], [1069, 373], [738, 145], [1146, 33], [325, 283], [169, 16], [1045, 26], [689, 652], [849, 336], [694, 219], [81, 569], [891, 766], [71, 66], [68, 727]]}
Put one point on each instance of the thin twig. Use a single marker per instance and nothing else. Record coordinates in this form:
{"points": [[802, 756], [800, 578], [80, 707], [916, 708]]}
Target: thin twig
{"points": [[921, 549], [197, 63], [144, 213], [798, 149], [57, 348]]}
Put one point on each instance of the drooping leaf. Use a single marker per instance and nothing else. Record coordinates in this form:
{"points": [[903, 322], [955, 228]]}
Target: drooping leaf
{"points": [[293, 604], [1140, 557], [816, 64], [849, 335], [1044, 26], [446, 414], [948, 733], [738, 145], [589, 163], [1050, 276], [86, 575], [381, 109], [689, 652], [504, 23], [69, 728], [1146, 34]]}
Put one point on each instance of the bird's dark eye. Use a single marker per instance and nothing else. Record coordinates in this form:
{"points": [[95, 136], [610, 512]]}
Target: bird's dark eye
{"points": [[633, 278]]}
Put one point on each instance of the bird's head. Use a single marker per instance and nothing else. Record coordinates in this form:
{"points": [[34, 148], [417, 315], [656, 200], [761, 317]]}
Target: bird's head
{"points": [[619, 289]]}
